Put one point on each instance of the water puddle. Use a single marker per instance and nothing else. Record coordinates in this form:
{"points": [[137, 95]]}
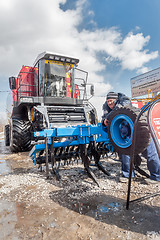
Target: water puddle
{"points": [[1, 136], [4, 167], [3, 148], [8, 218], [97, 210]]}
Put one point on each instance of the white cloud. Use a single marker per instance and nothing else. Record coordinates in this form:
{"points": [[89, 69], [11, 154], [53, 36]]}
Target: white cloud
{"points": [[143, 70], [91, 13], [137, 28], [29, 27], [131, 51], [128, 51]]}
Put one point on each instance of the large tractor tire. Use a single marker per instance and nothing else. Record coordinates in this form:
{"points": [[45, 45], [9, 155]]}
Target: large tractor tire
{"points": [[6, 135], [20, 135], [120, 130]]}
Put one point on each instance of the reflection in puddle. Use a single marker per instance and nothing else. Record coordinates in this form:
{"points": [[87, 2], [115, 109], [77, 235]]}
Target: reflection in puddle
{"points": [[3, 148], [4, 167], [97, 211], [102, 209], [114, 206]]}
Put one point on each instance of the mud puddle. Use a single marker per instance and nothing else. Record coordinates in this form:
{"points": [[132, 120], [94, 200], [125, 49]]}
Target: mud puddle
{"points": [[8, 218], [97, 210], [4, 166], [3, 148]]}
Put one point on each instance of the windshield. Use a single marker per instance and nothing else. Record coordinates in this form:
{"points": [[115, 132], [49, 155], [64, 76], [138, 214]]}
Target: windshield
{"points": [[56, 78]]}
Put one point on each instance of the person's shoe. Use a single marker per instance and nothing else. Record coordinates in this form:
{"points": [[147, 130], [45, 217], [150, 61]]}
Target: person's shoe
{"points": [[123, 179], [150, 181]]}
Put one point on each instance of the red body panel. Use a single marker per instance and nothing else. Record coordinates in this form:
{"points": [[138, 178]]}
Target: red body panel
{"points": [[27, 83]]}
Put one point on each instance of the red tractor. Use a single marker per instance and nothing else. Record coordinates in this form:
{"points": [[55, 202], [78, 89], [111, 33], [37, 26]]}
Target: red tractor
{"points": [[50, 94]]}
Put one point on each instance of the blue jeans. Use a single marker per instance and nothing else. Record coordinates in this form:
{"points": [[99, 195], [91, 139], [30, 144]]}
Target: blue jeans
{"points": [[153, 162]]}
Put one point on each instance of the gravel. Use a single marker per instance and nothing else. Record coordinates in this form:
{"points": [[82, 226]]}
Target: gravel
{"points": [[47, 207]]}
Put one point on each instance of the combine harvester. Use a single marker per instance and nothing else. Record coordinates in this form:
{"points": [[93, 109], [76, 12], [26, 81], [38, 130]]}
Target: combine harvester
{"points": [[50, 94]]}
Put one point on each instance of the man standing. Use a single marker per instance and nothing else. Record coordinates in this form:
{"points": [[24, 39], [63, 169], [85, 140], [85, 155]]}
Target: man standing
{"points": [[114, 100]]}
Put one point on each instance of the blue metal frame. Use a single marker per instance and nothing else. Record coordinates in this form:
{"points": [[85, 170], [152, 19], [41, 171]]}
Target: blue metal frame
{"points": [[75, 135]]}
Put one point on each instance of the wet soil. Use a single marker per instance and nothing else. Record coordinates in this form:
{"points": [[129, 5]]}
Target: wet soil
{"points": [[74, 208]]}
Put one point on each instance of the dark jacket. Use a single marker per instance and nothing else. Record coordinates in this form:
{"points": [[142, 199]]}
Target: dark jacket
{"points": [[122, 100]]}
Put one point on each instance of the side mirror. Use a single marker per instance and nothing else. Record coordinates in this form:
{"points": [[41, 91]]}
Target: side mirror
{"points": [[92, 90], [12, 83]]}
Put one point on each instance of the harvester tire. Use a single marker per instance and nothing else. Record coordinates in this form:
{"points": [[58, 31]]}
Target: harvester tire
{"points": [[6, 135], [128, 114], [20, 140]]}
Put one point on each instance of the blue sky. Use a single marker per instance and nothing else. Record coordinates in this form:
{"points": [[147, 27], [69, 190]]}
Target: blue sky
{"points": [[115, 40]]}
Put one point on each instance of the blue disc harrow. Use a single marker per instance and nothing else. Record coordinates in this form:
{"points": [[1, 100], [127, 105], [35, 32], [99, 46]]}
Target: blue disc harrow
{"points": [[85, 142]]}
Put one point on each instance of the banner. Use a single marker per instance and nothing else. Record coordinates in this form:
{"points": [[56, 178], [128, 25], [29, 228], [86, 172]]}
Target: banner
{"points": [[144, 82]]}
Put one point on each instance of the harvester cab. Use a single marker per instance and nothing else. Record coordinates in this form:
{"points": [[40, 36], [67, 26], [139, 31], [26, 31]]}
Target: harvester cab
{"points": [[52, 93]]}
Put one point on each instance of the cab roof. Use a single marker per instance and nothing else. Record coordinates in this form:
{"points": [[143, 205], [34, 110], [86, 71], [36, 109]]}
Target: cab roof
{"points": [[56, 57]]}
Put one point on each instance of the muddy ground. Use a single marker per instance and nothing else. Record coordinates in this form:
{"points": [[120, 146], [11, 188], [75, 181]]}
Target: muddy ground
{"points": [[74, 208]]}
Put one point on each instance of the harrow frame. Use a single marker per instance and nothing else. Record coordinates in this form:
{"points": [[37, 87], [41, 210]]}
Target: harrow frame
{"points": [[81, 136]]}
